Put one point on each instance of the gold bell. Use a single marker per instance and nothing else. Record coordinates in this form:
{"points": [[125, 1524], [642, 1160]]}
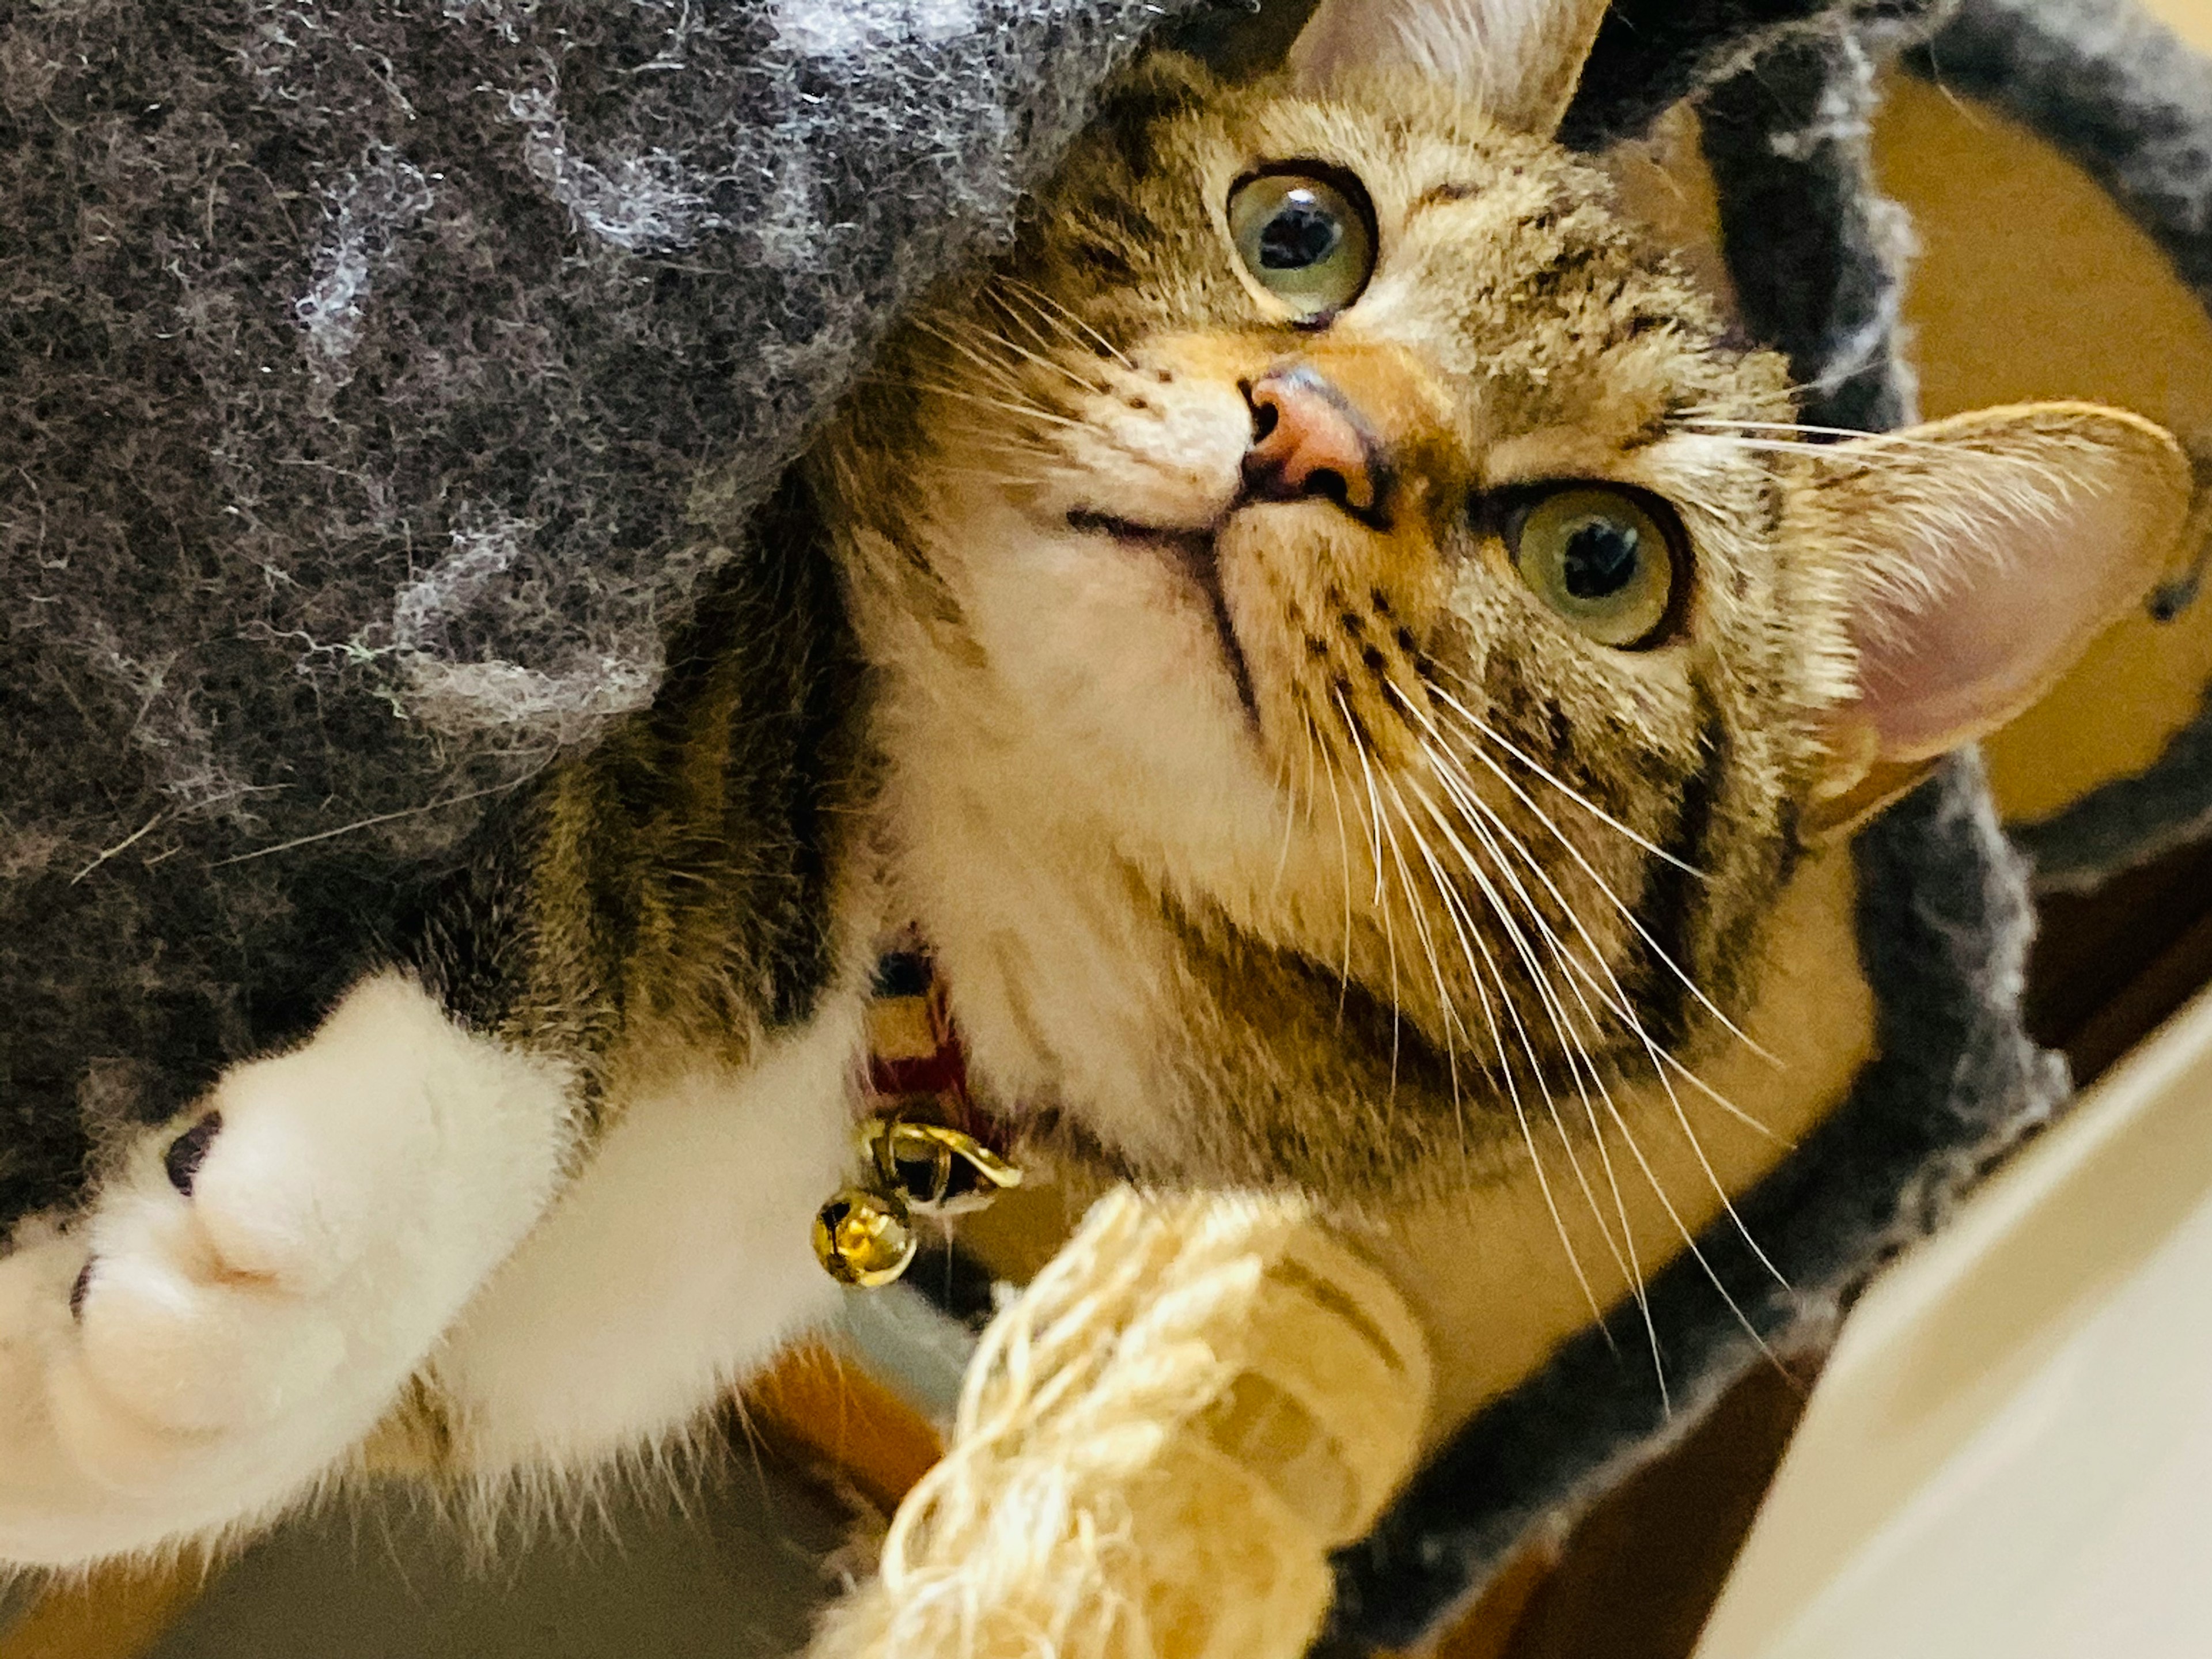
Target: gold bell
{"points": [[863, 1238], [936, 1170]]}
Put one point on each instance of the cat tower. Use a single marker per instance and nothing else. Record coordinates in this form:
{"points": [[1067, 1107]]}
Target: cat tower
{"points": [[696, 220]]}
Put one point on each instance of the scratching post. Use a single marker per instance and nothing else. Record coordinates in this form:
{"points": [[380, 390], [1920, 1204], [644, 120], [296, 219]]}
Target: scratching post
{"points": [[1158, 1446]]}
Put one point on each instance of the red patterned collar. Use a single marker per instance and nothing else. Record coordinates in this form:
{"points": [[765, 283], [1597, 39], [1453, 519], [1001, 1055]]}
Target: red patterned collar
{"points": [[925, 1148]]}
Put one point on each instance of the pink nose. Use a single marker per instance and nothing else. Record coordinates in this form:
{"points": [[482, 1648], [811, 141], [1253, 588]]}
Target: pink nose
{"points": [[1308, 440]]}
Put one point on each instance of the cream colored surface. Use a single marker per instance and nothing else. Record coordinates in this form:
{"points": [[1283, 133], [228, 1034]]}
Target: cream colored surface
{"points": [[1489, 1274], [2029, 284], [2011, 1452], [2191, 19]]}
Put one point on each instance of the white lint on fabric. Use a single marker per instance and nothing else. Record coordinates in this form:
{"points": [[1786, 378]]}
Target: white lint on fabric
{"points": [[172, 731], [457, 697], [367, 215], [646, 200], [832, 28], [486, 546]]}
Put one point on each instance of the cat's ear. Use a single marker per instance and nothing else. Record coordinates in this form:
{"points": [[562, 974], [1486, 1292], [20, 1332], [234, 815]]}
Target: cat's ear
{"points": [[1981, 555], [1518, 59]]}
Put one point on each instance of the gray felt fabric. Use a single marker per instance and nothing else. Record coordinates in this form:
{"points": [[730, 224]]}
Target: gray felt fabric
{"points": [[2128, 102], [376, 377]]}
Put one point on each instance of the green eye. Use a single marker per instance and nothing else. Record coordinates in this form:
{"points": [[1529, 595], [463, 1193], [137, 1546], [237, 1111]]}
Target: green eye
{"points": [[1308, 240], [1599, 558]]}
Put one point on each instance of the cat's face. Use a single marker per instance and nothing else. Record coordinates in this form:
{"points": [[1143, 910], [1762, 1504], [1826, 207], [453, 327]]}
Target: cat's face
{"points": [[1378, 553]]}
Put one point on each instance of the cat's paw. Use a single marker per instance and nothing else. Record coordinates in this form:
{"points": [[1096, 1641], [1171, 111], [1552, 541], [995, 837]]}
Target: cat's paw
{"points": [[259, 1283], [227, 1285]]}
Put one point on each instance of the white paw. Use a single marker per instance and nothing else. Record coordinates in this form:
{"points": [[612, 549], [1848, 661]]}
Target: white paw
{"points": [[255, 1289], [225, 1284]]}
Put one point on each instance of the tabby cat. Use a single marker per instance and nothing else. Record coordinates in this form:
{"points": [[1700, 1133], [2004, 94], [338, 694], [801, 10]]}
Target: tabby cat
{"points": [[1331, 641]]}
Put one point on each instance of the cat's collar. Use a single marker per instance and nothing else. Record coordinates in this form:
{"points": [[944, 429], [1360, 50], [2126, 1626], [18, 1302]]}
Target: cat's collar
{"points": [[925, 1149]]}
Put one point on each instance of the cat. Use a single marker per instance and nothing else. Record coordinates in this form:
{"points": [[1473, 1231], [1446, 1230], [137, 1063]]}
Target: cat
{"points": [[1330, 638]]}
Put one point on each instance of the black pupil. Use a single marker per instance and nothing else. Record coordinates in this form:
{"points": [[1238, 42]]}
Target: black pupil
{"points": [[1600, 558], [1302, 232]]}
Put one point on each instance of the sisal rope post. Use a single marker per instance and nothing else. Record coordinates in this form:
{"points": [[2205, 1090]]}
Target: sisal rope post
{"points": [[1157, 1448]]}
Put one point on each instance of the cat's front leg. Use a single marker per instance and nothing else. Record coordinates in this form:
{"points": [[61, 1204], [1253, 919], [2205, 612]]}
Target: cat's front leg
{"points": [[248, 1295]]}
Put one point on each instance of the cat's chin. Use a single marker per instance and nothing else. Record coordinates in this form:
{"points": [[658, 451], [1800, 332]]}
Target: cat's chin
{"points": [[1194, 553]]}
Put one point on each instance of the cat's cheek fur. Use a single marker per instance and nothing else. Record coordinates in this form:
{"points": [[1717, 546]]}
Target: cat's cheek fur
{"points": [[675, 1265], [231, 1343]]}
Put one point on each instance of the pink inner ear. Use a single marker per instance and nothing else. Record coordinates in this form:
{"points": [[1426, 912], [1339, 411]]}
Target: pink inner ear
{"points": [[2007, 594]]}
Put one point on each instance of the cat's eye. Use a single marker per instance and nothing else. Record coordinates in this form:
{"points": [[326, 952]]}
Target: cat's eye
{"points": [[1599, 557], [1306, 237]]}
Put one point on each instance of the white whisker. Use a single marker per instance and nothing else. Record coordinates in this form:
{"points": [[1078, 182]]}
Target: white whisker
{"points": [[1690, 1243], [1456, 913], [1359, 747], [1024, 410], [1561, 784], [1630, 1268], [1818, 438], [1045, 305], [1389, 941], [1626, 912], [1628, 1136], [1450, 1012], [1616, 998], [1623, 1007], [1026, 354], [1291, 813], [1344, 863]]}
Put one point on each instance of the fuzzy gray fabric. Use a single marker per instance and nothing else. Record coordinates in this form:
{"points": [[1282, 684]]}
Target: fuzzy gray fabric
{"points": [[1943, 921], [2130, 104], [377, 378]]}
